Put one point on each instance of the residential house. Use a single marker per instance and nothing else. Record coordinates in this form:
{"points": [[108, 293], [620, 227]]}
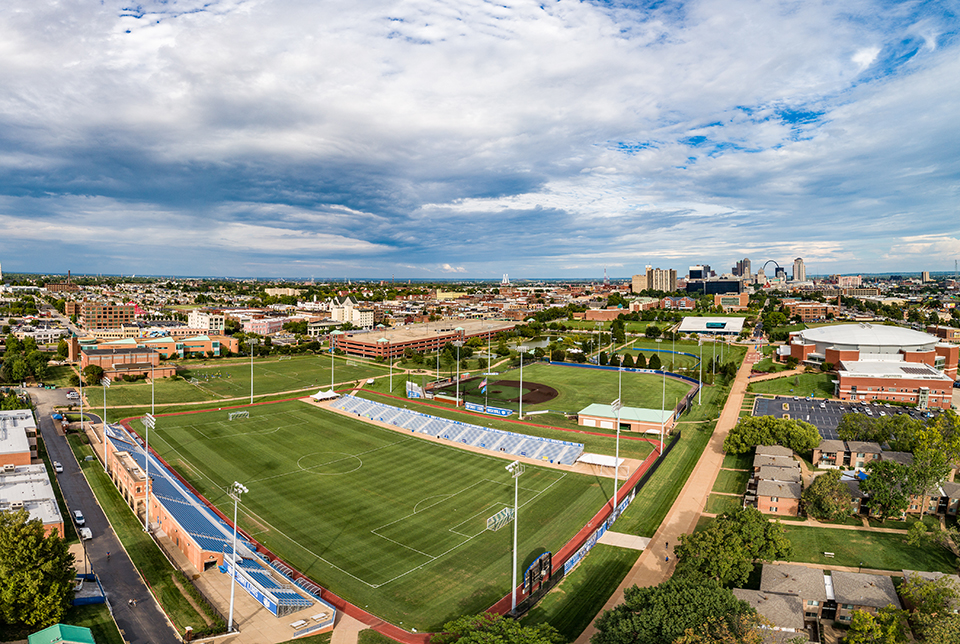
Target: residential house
{"points": [[862, 591]]}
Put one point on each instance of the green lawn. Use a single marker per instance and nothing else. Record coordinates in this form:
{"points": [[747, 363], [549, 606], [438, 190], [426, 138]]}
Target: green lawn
{"points": [[767, 365], [575, 601], [731, 482], [390, 521], [804, 384], [718, 503], [231, 380], [738, 461], [59, 376], [96, 617], [144, 552], [877, 550]]}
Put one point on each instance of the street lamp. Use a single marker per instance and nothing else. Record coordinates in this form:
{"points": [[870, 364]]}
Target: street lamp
{"points": [[105, 381], [253, 343], [235, 491], [458, 344], [389, 359], [522, 351], [515, 469], [700, 388], [663, 404]]}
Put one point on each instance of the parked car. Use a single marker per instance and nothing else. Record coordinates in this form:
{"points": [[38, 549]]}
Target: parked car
{"points": [[85, 534], [72, 395], [57, 467], [78, 518]]}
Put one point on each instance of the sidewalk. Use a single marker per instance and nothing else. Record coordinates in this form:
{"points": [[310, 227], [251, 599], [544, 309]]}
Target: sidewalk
{"points": [[652, 567]]}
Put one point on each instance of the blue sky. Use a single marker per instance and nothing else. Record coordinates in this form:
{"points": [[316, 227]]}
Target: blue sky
{"points": [[420, 138]]}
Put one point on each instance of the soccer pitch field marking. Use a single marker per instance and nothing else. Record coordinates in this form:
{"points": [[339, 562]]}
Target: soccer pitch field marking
{"points": [[336, 460], [305, 470]]}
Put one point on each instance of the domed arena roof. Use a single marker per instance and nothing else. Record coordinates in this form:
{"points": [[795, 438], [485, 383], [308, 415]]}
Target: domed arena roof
{"points": [[869, 335]]}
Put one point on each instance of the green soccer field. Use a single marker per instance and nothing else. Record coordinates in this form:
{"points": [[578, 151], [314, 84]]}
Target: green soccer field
{"points": [[579, 387], [220, 381], [392, 522]]}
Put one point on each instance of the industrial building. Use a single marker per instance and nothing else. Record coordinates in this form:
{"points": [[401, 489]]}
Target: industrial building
{"points": [[24, 485]]}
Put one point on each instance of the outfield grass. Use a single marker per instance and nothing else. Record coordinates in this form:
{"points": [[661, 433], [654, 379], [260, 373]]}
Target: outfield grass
{"points": [[877, 550], [719, 504], [390, 521], [575, 601], [222, 381], [731, 482], [579, 387], [144, 552], [804, 384]]}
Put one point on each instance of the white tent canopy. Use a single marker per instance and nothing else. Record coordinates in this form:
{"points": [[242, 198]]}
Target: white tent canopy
{"points": [[599, 459], [325, 395]]}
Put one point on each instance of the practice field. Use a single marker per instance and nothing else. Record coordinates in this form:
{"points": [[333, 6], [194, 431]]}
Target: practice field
{"points": [[392, 522], [576, 388], [219, 381]]}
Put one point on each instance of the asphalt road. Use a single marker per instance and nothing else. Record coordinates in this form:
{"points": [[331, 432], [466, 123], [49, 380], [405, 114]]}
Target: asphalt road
{"points": [[144, 623], [824, 414]]}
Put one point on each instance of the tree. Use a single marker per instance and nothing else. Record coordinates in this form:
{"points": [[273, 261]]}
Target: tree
{"points": [[62, 349], [937, 629], [490, 628], [92, 374], [602, 360], [928, 596], [662, 614], [727, 549], [652, 331], [885, 487], [641, 362], [36, 571], [558, 355], [827, 498], [744, 629], [654, 362], [887, 627], [929, 469], [749, 432], [627, 360]]}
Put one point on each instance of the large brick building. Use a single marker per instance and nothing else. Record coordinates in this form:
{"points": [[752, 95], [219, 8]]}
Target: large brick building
{"points": [[422, 338], [103, 315]]}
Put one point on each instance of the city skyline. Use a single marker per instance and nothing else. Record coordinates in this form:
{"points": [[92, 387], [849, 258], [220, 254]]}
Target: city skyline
{"points": [[424, 141]]}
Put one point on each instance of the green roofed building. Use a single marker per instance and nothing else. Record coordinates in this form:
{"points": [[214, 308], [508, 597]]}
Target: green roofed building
{"points": [[63, 634], [632, 419]]}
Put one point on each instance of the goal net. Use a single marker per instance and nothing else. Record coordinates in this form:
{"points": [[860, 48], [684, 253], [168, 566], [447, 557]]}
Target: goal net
{"points": [[235, 415], [500, 519], [282, 358]]}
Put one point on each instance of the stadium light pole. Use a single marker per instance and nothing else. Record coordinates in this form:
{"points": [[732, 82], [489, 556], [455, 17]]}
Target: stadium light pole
{"points": [[521, 388], [235, 491], [105, 381], [700, 388], [458, 344], [515, 469], [663, 404], [333, 348], [253, 343], [617, 405], [387, 342], [81, 399]]}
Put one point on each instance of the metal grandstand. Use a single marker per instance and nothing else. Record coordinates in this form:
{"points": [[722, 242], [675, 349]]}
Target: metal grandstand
{"points": [[495, 440], [212, 534]]}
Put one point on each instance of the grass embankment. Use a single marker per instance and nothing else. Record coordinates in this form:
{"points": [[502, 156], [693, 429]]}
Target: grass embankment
{"points": [[731, 482], [720, 503], [96, 617], [143, 551]]}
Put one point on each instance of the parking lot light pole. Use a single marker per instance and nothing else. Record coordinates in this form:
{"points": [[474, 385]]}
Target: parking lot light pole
{"points": [[105, 381], [149, 422]]}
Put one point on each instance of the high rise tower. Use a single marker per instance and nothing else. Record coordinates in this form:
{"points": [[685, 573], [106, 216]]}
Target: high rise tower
{"points": [[799, 270]]}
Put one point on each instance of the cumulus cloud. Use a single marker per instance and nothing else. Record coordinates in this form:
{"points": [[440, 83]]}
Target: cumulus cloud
{"points": [[262, 137]]}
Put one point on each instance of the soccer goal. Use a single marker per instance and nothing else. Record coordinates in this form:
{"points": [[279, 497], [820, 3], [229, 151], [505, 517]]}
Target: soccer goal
{"points": [[194, 381], [235, 415], [500, 519], [282, 358]]}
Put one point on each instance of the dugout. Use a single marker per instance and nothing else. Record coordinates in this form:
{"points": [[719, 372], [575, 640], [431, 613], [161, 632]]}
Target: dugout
{"points": [[632, 419]]}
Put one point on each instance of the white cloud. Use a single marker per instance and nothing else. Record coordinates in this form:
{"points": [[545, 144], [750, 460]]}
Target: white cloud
{"points": [[447, 268], [865, 57]]}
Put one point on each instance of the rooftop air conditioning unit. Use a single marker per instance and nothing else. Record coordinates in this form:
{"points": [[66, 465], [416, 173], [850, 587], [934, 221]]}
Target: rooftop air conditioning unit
{"points": [[9, 467], [16, 505]]}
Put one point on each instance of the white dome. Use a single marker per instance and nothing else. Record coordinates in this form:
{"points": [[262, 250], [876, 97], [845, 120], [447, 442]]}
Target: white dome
{"points": [[869, 338]]}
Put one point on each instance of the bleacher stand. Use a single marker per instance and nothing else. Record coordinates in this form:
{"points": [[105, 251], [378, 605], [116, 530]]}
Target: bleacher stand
{"points": [[496, 440], [211, 533]]}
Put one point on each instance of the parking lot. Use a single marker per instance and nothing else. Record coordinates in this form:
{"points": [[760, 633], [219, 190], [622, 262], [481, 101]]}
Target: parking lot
{"points": [[823, 414]]}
